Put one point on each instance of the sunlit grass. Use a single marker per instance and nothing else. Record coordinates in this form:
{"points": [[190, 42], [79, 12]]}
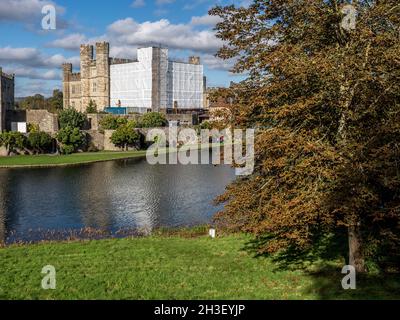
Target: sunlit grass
{"points": [[169, 267]]}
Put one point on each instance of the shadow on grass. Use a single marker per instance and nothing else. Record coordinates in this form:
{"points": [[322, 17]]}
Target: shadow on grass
{"points": [[323, 264], [326, 285]]}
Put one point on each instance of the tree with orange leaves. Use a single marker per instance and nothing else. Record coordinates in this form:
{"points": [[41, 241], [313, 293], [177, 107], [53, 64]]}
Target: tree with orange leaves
{"points": [[323, 90]]}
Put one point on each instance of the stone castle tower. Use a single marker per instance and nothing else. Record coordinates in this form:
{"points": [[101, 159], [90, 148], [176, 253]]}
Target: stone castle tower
{"points": [[93, 81], [7, 87]]}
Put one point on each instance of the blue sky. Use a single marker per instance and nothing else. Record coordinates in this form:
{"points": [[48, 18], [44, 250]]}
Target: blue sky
{"points": [[35, 55]]}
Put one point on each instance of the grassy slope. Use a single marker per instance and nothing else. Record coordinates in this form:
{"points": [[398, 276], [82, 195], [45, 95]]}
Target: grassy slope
{"points": [[168, 268], [75, 158], [78, 158]]}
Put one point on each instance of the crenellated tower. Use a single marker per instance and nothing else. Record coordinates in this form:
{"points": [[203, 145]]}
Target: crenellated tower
{"points": [[101, 83], [67, 72], [86, 64]]}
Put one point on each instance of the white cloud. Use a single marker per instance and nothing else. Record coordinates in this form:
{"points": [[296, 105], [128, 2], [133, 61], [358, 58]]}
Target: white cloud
{"points": [[70, 42], [205, 20], [31, 63], [214, 63], [26, 11], [138, 4], [129, 33], [32, 57], [33, 73], [174, 36], [25, 88]]}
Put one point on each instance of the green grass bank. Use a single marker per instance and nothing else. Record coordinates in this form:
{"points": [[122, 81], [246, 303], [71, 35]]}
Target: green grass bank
{"points": [[48, 160], [64, 160], [171, 267]]}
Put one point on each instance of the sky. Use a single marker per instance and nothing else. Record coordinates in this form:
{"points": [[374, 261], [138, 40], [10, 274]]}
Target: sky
{"points": [[35, 55]]}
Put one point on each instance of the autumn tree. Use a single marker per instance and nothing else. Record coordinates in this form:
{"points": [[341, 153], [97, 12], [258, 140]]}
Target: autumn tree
{"points": [[323, 91]]}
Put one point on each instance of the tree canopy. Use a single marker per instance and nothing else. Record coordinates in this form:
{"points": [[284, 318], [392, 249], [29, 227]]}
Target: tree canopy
{"points": [[324, 97], [126, 136], [72, 118], [153, 120]]}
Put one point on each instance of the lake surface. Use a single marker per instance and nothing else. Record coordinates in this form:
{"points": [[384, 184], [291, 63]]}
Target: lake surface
{"points": [[114, 196]]}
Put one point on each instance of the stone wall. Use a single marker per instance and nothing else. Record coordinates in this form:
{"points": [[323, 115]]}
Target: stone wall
{"points": [[94, 120], [108, 145], [95, 139], [185, 119], [47, 122]]}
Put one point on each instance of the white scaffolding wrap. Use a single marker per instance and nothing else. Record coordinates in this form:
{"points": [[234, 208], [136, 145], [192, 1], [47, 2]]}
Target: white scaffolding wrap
{"points": [[185, 85], [156, 80], [131, 83]]}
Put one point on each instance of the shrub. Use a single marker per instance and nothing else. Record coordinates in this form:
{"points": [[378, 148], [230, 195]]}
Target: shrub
{"points": [[32, 127], [92, 107], [153, 120], [126, 136], [206, 125], [70, 139], [13, 140], [40, 142], [72, 118], [111, 122]]}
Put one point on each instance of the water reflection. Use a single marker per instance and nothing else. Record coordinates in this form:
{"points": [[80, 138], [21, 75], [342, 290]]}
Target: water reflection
{"points": [[110, 196]]}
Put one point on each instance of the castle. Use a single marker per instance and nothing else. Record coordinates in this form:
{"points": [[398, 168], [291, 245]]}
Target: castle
{"points": [[7, 86], [150, 83]]}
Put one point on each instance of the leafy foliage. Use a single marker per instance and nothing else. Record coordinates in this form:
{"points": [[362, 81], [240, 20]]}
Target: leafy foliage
{"points": [[13, 140], [33, 127], [40, 142], [92, 107], [111, 122], [70, 139], [72, 118], [153, 120], [52, 104], [325, 101], [126, 136]]}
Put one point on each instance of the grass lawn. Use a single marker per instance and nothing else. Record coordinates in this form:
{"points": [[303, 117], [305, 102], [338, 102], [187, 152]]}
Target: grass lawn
{"points": [[76, 158], [173, 267]]}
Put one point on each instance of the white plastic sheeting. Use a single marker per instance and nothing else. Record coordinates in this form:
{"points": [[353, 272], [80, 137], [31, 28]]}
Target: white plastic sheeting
{"points": [[131, 83], [185, 85], [180, 83]]}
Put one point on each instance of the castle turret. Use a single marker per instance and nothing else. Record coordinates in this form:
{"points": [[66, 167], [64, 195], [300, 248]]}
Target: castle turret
{"points": [[102, 82], [67, 72], [86, 61]]}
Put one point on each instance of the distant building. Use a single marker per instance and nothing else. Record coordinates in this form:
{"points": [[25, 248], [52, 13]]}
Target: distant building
{"points": [[6, 96], [150, 83]]}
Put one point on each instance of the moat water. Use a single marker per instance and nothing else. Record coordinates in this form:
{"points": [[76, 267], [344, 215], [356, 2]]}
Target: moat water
{"points": [[109, 198]]}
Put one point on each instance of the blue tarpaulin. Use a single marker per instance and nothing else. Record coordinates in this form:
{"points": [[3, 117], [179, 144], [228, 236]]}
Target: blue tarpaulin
{"points": [[116, 110]]}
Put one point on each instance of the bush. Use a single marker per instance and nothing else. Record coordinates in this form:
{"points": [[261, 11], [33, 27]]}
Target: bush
{"points": [[13, 141], [32, 127], [206, 125], [92, 107], [126, 136], [153, 120], [40, 142], [72, 118], [70, 139], [111, 122]]}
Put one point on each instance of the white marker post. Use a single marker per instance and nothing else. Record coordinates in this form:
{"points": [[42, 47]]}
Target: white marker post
{"points": [[212, 233]]}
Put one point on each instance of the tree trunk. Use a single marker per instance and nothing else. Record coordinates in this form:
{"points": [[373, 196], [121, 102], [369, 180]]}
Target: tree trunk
{"points": [[356, 258]]}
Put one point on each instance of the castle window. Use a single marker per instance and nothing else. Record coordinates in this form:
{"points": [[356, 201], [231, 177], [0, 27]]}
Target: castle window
{"points": [[94, 87]]}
